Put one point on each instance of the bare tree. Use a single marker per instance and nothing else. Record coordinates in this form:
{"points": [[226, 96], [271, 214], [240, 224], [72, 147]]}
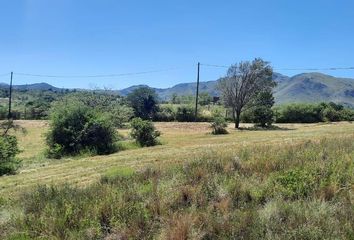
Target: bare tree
{"points": [[243, 82]]}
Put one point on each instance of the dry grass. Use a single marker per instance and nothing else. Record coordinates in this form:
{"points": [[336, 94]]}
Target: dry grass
{"points": [[181, 142]]}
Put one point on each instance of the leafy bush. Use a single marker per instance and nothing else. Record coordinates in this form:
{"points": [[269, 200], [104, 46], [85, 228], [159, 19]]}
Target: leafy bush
{"points": [[8, 150], [262, 113], [299, 113], [311, 113], [185, 113], [144, 132], [219, 126], [166, 113], [113, 106], [347, 115], [76, 128], [297, 183], [119, 114]]}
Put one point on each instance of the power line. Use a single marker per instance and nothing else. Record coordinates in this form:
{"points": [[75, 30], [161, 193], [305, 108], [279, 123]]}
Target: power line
{"points": [[290, 69], [315, 69], [96, 76], [213, 65]]}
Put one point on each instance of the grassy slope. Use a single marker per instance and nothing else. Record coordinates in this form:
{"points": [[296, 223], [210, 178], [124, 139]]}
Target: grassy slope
{"points": [[284, 184], [182, 141]]}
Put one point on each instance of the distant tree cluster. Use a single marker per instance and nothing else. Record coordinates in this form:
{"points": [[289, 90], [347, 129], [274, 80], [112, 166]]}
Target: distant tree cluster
{"points": [[86, 122], [311, 113]]}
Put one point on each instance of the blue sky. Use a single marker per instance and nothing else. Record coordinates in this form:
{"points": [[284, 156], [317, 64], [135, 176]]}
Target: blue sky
{"points": [[89, 37]]}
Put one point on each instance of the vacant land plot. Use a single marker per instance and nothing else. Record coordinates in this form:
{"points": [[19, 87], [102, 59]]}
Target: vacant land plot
{"points": [[181, 142]]}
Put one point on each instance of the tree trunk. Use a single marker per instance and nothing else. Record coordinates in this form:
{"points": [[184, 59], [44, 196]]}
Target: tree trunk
{"points": [[237, 120]]}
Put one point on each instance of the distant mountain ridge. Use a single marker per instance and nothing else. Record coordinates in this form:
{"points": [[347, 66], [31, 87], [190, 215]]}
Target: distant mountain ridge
{"points": [[304, 87], [35, 86]]}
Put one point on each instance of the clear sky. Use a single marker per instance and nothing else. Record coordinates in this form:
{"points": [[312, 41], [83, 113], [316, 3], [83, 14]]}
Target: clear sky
{"points": [[89, 37]]}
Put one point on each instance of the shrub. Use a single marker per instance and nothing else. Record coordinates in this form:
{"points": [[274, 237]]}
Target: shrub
{"points": [[299, 113], [144, 132], [166, 113], [120, 114], [185, 113], [8, 150], [310, 113], [76, 128], [347, 115], [262, 113], [297, 183], [219, 126], [111, 105]]}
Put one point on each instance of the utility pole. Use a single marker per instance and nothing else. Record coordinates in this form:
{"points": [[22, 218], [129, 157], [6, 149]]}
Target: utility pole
{"points": [[197, 94], [9, 116]]}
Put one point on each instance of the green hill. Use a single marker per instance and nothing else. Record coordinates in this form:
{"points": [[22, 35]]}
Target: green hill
{"points": [[315, 87], [305, 87]]}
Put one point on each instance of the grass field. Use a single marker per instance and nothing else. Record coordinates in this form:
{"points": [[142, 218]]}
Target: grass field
{"points": [[181, 142], [295, 182]]}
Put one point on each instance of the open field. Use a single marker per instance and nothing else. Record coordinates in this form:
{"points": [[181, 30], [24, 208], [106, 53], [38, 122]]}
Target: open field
{"points": [[296, 182], [181, 142]]}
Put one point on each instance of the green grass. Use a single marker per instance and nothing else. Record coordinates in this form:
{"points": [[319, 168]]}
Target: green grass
{"points": [[302, 190], [181, 142], [293, 182]]}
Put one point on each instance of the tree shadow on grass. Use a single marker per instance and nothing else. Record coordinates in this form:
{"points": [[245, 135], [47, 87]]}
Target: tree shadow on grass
{"points": [[270, 128]]}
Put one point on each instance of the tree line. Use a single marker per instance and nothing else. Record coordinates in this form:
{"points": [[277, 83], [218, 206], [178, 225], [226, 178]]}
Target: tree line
{"points": [[86, 122]]}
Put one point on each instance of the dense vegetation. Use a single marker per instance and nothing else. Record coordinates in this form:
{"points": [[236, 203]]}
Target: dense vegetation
{"points": [[76, 128], [310, 113], [294, 191], [8, 149], [144, 132], [33, 104]]}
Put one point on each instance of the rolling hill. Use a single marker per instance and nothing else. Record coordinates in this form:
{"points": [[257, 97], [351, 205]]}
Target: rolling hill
{"points": [[315, 87], [35, 86], [305, 87]]}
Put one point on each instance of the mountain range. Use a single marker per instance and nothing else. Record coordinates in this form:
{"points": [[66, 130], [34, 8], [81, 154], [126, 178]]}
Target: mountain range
{"points": [[305, 87]]}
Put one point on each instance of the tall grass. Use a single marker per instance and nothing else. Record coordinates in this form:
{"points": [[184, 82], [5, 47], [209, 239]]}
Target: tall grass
{"points": [[300, 191]]}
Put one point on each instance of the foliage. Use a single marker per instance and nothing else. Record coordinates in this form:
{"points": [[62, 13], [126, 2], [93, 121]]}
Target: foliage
{"points": [[185, 113], [144, 132], [182, 99], [114, 107], [144, 101], [243, 82], [205, 99], [76, 128], [310, 113], [295, 191], [8, 148], [119, 114], [297, 183], [261, 112], [219, 126], [166, 113], [31, 104]]}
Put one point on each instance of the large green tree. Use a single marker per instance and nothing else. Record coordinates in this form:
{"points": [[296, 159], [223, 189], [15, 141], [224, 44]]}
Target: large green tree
{"points": [[243, 82], [144, 101], [262, 112]]}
